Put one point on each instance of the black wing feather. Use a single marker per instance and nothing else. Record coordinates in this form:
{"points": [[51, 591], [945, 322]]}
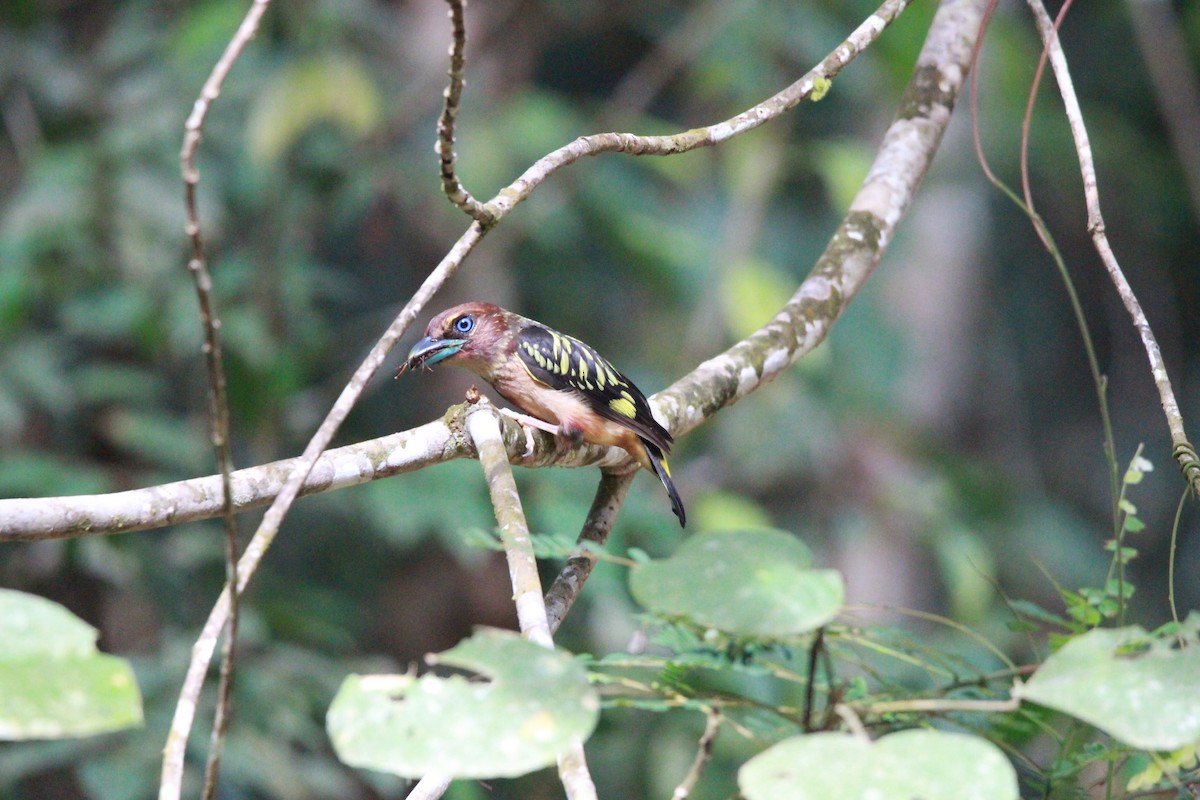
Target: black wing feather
{"points": [[566, 364]]}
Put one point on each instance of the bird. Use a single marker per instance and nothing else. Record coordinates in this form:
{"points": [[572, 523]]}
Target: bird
{"points": [[562, 385]]}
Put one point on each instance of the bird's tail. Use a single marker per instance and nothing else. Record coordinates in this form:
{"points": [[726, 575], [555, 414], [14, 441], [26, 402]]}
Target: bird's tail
{"points": [[659, 462]]}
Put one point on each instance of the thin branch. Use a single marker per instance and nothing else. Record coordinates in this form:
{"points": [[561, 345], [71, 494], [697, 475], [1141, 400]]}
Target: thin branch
{"points": [[610, 494], [1183, 452], [451, 185], [852, 721], [712, 725], [484, 428], [214, 363]]}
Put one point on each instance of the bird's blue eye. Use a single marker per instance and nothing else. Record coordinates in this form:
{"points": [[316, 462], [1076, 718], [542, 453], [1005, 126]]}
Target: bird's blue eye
{"points": [[464, 324]]}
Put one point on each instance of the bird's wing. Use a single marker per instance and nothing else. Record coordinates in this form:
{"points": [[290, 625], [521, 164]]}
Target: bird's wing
{"points": [[566, 364]]}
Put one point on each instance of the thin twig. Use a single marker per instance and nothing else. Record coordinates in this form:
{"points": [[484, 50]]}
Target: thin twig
{"points": [[610, 494], [1183, 452], [1043, 233], [484, 427], [704, 749], [214, 363], [451, 184]]}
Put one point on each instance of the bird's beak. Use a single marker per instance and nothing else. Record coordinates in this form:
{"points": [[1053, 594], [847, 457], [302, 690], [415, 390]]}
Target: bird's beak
{"points": [[430, 351]]}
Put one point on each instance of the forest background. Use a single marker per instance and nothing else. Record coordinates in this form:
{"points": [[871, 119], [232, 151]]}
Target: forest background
{"points": [[943, 447]]}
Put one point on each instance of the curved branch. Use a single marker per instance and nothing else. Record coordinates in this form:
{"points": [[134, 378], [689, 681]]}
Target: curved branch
{"points": [[451, 185]]}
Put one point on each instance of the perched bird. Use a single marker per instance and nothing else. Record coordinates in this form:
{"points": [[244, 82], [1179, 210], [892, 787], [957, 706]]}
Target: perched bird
{"points": [[565, 386]]}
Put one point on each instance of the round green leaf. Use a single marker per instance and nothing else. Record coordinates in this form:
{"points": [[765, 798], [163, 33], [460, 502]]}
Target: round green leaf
{"points": [[530, 704], [930, 765], [744, 583], [1135, 688], [53, 682]]}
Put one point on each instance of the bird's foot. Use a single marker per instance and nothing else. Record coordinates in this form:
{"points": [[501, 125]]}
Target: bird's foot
{"points": [[527, 424]]}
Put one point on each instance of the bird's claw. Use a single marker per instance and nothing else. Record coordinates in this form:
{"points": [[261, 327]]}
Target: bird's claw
{"points": [[528, 424]]}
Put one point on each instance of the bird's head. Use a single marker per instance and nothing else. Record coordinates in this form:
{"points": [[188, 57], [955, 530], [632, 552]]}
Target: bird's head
{"points": [[466, 335]]}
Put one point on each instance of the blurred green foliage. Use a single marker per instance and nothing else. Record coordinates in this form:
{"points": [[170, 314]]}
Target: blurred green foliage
{"points": [[939, 447]]}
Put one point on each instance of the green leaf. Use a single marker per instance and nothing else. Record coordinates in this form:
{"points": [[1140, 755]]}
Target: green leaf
{"points": [[53, 682], [1148, 699], [930, 765], [744, 583], [531, 704], [1134, 525]]}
